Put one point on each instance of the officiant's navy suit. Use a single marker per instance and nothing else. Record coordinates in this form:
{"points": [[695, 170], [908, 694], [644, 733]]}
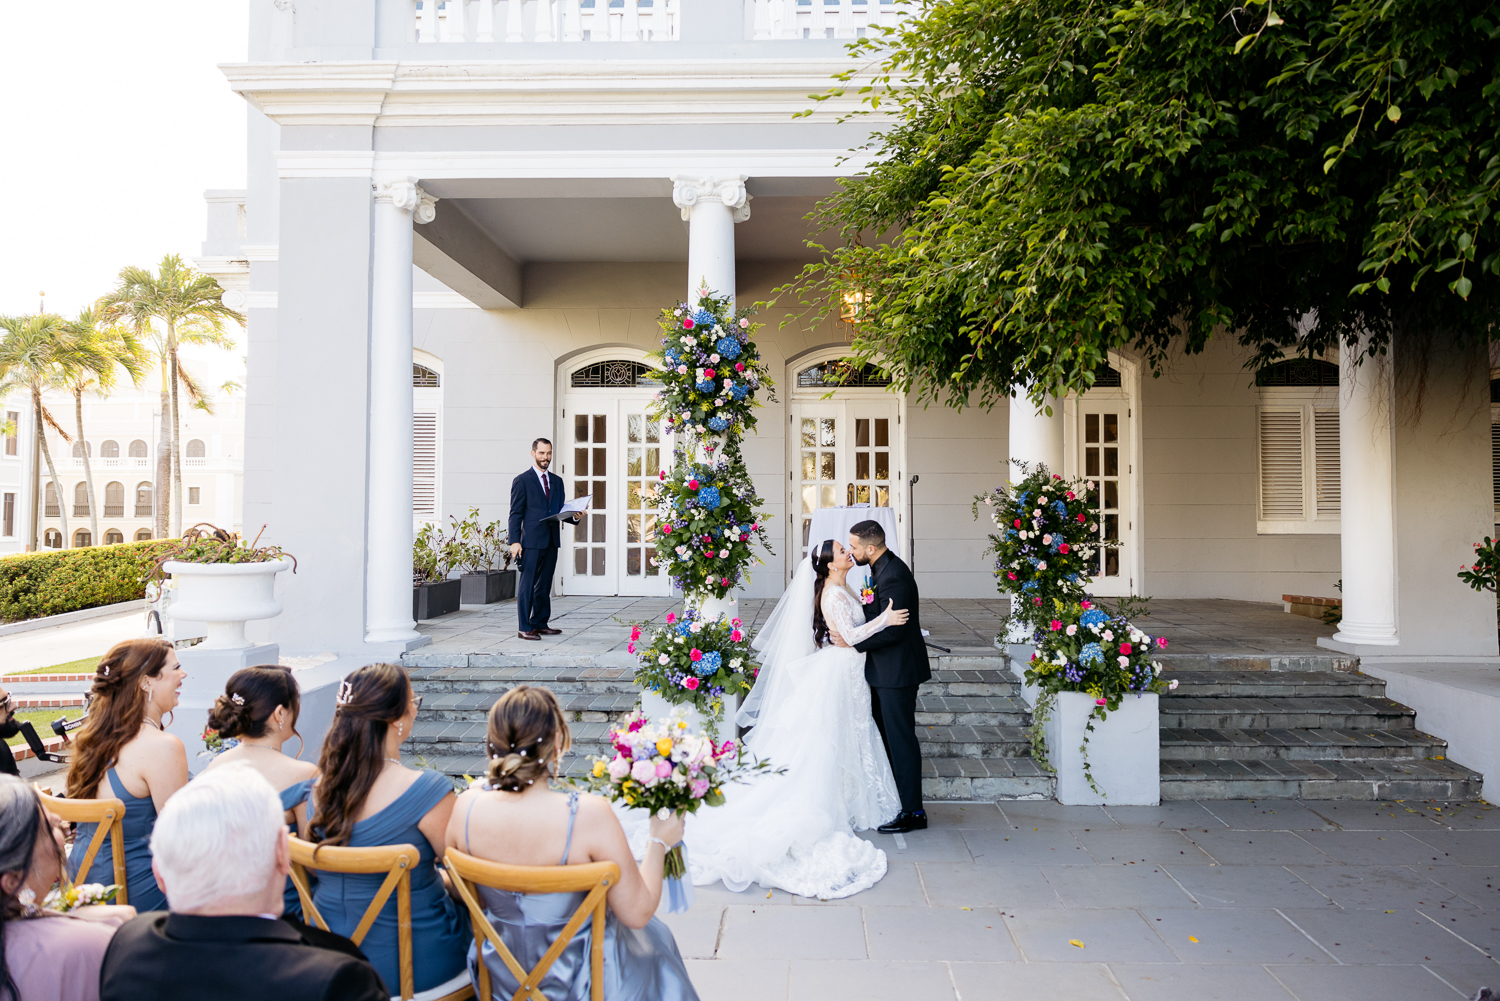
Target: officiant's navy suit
{"points": [[895, 666], [539, 540]]}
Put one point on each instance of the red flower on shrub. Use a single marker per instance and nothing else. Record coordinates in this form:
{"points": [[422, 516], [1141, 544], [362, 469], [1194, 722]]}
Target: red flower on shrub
{"points": [[1125, 649], [696, 655], [1064, 548], [691, 684]]}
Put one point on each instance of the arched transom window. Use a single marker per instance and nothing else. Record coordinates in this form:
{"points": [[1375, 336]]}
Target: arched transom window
{"points": [[615, 374]]}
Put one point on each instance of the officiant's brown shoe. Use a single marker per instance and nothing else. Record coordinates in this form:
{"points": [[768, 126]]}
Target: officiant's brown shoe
{"points": [[525, 635], [545, 631]]}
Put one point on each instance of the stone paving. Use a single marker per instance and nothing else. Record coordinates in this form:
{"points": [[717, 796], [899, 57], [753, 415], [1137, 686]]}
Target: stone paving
{"points": [[1032, 901]]}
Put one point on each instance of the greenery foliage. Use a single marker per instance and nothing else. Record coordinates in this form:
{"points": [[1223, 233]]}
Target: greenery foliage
{"points": [[203, 543], [1484, 573], [1062, 179], [434, 554], [66, 580], [484, 547], [695, 661]]}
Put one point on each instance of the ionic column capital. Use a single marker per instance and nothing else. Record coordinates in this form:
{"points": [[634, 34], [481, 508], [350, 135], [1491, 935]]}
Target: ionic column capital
{"points": [[689, 189], [408, 196]]}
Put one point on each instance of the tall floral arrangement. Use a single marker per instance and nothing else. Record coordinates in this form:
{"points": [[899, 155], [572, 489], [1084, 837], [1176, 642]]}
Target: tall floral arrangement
{"points": [[695, 662], [1046, 541], [707, 527], [711, 370]]}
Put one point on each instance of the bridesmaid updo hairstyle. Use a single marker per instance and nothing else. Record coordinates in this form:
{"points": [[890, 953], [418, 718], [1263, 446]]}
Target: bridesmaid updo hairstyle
{"points": [[117, 704], [821, 558], [250, 697], [527, 734], [370, 701]]}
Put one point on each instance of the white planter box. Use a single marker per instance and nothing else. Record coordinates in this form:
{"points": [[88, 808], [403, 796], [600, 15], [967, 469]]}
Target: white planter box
{"points": [[225, 596], [655, 707], [713, 608], [1124, 751]]}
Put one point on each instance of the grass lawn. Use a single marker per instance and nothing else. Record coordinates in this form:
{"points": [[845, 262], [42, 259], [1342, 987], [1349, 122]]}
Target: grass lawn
{"points": [[42, 720], [84, 666]]}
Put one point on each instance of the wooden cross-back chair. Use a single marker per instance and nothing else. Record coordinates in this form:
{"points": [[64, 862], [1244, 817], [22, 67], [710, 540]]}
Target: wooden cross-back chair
{"points": [[396, 862], [596, 878], [109, 814]]}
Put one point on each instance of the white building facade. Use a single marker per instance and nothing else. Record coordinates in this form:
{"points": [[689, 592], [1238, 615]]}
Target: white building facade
{"points": [[462, 220]]}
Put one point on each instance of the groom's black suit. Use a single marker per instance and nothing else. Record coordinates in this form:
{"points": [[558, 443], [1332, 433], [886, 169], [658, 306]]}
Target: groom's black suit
{"points": [[895, 664]]}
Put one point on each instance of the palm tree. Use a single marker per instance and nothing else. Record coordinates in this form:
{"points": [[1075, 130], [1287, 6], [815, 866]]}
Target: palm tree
{"points": [[88, 360], [30, 358], [186, 304]]}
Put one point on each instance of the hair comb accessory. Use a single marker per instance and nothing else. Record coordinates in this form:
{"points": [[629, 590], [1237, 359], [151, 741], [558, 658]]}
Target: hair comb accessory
{"points": [[345, 695], [104, 671], [237, 699]]}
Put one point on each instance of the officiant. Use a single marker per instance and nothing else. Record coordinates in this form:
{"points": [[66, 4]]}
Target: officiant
{"points": [[536, 500]]}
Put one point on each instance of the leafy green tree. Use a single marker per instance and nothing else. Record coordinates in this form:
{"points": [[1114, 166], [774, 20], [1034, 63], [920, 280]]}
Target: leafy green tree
{"points": [[1062, 178], [31, 358], [174, 307]]}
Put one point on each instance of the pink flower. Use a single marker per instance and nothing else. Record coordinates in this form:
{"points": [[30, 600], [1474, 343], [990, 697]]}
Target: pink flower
{"points": [[744, 323], [698, 788], [1080, 519], [662, 475], [1161, 641], [727, 750], [696, 655], [671, 617], [619, 768], [1011, 574], [630, 648], [663, 769], [643, 772], [693, 485], [1125, 648], [1101, 702], [691, 684], [1036, 601], [708, 373], [1173, 685], [1054, 625], [1072, 495], [723, 581], [739, 366], [687, 324], [735, 622], [635, 632], [1018, 522], [1056, 477], [1064, 548], [736, 636], [1085, 605]]}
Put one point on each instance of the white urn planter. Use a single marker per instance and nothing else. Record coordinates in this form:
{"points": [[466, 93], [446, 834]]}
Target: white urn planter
{"points": [[713, 608], [225, 596], [1124, 751]]}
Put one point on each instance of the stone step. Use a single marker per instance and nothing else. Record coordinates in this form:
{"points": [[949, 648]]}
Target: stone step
{"points": [[1273, 684], [944, 742], [1300, 745], [1379, 779], [985, 779], [1228, 713], [1320, 663], [500, 679]]}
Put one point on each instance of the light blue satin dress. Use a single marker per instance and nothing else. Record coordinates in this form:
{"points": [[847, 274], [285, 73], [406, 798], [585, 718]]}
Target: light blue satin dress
{"points": [[292, 797], [138, 823], [640, 964], [439, 927]]}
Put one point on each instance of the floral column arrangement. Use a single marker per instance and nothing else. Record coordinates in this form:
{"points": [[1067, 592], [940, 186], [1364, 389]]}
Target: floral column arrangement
{"points": [[707, 524]]}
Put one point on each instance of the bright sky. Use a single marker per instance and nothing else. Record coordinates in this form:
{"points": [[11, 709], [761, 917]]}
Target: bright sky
{"points": [[114, 121]]}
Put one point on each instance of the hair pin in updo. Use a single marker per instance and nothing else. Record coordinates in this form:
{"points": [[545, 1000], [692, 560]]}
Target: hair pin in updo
{"points": [[237, 699], [345, 695], [104, 671]]}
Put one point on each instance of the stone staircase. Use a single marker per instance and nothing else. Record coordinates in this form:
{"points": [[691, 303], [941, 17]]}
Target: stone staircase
{"points": [[971, 720]]}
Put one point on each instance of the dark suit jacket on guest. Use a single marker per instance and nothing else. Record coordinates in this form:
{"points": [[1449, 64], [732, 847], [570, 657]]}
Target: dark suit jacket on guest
{"points": [[160, 956], [529, 505], [897, 654]]}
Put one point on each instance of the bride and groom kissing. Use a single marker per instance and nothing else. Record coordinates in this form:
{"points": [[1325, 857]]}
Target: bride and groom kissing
{"points": [[834, 710]]}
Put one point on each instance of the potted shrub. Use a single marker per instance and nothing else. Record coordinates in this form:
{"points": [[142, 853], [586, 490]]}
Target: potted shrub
{"points": [[484, 546], [434, 555], [222, 581]]}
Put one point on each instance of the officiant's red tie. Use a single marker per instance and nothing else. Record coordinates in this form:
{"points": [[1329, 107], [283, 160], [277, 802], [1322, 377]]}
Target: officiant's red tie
{"points": [[546, 488]]}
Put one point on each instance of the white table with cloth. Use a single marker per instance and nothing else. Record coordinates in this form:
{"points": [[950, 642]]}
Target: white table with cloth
{"points": [[835, 522]]}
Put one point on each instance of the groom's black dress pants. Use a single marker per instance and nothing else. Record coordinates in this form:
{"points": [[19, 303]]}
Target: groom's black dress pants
{"points": [[895, 712]]}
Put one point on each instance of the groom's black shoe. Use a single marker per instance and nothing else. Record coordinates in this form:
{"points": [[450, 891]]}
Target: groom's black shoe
{"points": [[906, 820]]}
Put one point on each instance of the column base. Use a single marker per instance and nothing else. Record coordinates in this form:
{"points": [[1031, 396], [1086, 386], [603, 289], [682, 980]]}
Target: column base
{"points": [[394, 642]]}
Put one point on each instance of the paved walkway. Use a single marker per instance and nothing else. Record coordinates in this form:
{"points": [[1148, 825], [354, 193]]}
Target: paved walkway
{"points": [[61, 644], [1032, 901]]}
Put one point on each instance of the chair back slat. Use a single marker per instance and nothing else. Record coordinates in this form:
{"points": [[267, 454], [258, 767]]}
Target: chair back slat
{"points": [[109, 814], [596, 878]]}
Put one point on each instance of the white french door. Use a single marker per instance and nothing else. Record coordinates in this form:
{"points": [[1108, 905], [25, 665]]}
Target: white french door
{"points": [[1104, 456], [612, 453], [840, 452]]}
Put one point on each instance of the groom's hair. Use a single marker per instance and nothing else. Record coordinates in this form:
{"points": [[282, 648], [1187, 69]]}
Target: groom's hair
{"points": [[868, 532]]}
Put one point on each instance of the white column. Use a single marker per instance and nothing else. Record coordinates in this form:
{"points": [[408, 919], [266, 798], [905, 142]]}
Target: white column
{"points": [[388, 540], [1035, 437], [1368, 510], [711, 204]]}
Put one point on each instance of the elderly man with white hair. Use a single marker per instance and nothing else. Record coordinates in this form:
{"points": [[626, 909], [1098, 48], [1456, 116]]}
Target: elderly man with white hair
{"points": [[220, 854]]}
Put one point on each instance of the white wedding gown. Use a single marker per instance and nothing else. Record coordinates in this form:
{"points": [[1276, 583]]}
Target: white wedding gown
{"points": [[812, 717]]}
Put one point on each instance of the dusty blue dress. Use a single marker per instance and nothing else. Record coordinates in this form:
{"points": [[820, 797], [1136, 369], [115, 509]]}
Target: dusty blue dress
{"points": [[138, 823], [292, 797], [439, 929], [640, 964]]}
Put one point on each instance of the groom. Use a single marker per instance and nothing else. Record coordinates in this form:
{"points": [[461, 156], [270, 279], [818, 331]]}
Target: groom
{"points": [[895, 664]]}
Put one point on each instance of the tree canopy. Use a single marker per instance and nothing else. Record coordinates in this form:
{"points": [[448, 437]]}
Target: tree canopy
{"points": [[1060, 178]]}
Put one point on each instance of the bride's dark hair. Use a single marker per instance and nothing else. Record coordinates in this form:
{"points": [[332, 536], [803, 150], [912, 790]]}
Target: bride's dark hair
{"points": [[821, 558]]}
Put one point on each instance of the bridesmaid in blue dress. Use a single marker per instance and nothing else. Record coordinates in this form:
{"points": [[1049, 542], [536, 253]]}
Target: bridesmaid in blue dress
{"points": [[365, 797], [259, 709], [124, 752], [515, 818]]}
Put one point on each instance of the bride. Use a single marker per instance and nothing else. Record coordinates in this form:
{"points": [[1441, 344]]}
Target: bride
{"points": [[810, 714]]}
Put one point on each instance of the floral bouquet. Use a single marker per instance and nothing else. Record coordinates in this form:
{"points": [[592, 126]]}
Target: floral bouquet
{"points": [[707, 526], [694, 661], [1085, 649], [1047, 541], [664, 767], [72, 896], [214, 744], [710, 368]]}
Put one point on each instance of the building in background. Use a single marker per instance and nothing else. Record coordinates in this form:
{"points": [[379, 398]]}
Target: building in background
{"points": [[15, 473]]}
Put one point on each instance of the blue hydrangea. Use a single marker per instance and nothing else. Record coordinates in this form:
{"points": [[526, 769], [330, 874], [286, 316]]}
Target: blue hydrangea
{"points": [[739, 390], [682, 628], [1061, 508], [717, 423], [710, 664], [708, 497], [1093, 617], [1030, 585], [706, 386], [672, 357], [1091, 654], [728, 347], [1057, 541], [703, 318]]}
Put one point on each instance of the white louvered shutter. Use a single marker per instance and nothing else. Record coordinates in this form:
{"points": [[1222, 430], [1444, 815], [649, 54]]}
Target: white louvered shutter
{"points": [[1495, 463], [424, 465], [1326, 462], [1281, 465]]}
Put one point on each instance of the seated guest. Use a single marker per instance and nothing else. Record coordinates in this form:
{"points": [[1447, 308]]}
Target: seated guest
{"points": [[221, 856], [44, 956], [259, 708], [514, 818], [9, 727], [123, 752], [366, 797]]}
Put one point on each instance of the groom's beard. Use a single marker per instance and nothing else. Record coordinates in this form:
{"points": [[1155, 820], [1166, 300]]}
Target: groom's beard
{"points": [[861, 562]]}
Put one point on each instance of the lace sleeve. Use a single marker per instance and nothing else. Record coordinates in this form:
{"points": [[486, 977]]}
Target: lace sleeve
{"points": [[838, 611]]}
